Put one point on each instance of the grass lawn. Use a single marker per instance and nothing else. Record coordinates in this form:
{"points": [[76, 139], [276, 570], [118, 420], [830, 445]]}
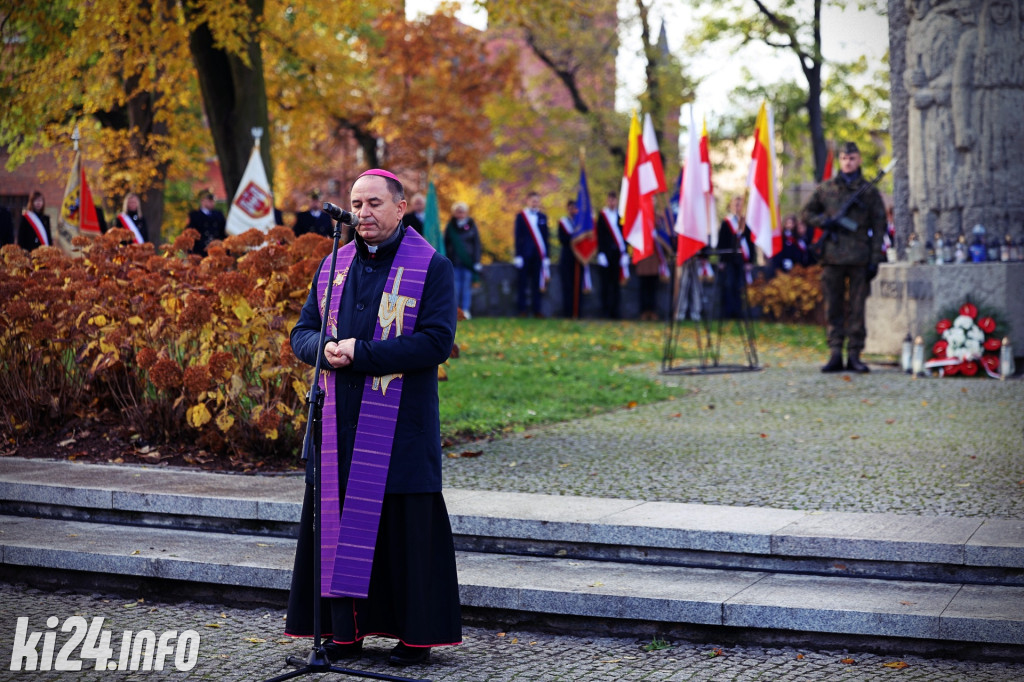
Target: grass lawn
{"points": [[513, 373]]}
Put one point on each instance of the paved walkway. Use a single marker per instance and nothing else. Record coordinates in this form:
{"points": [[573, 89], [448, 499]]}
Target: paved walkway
{"points": [[244, 645], [788, 437]]}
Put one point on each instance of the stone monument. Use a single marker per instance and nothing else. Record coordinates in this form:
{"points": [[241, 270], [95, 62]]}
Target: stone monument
{"points": [[957, 125], [961, 86]]}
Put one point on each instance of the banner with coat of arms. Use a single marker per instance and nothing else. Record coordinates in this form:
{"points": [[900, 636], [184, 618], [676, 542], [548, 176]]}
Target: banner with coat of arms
{"points": [[253, 205], [77, 210]]}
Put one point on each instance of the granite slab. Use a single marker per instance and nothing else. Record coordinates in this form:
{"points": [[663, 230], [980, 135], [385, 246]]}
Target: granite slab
{"points": [[880, 537], [842, 605]]}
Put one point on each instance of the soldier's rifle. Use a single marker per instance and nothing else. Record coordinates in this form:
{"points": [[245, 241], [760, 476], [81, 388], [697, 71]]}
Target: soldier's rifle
{"points": [[840, 218]]}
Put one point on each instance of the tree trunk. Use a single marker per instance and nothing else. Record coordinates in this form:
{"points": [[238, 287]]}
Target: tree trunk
{"points": [[814, 119], [235, 100]]}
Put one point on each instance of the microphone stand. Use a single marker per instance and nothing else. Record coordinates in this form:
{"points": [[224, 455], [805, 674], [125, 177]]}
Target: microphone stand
{"points": [[318, 662]]}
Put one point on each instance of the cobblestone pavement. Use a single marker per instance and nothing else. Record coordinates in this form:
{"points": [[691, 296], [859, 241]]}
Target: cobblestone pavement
{"points": [[786, 437], [244, 644]]}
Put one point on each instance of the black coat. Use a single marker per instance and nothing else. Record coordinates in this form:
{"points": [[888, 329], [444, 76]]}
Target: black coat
{"points": [[606, 241], [413, 221], [210, 226], [526, 246], [416, 450], [6, 226], [27, 238], [319, 224]]}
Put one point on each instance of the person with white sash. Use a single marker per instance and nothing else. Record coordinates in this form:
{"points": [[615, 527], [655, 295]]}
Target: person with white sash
{"points": [[612, 258], [130, 218], [387, 553], [531, 256], [736, 251], [34, 227]]}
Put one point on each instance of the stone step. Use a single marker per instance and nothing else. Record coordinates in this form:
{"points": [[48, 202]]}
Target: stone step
{"points": [[989, 614], [941, 549]]}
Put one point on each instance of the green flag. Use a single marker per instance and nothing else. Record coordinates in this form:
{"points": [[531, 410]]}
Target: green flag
{"points": [[432, 221]]}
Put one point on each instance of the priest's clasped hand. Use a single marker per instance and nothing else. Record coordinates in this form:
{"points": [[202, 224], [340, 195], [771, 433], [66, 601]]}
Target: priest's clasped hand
{"points": [[340, 353]]}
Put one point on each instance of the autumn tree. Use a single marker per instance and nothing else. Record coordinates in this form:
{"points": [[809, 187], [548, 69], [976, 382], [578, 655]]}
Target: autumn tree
{"points": [[225, 43], [340, 112], [790, 25], [578, 42], [119, 70], [854, 108]]}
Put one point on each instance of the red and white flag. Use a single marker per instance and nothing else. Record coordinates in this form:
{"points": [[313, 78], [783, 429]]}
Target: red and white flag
{"points": [[763, 202], [642, 177], [253, 205], [696, 221]]}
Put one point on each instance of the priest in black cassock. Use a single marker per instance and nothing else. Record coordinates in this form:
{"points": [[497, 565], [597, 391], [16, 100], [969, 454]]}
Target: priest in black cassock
{"points": [[413, 591]]}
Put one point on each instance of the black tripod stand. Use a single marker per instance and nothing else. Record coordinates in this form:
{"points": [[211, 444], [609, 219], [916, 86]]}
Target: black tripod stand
{"points": [[318, 662], [708, 330]]}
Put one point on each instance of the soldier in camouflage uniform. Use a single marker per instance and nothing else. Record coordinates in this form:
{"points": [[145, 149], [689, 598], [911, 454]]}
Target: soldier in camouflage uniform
{"points": [[850, 258]]}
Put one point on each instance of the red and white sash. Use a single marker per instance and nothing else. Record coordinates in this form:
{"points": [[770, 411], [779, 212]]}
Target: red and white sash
{"points": [[129, 224], [612, 218], [37, 225], [734, 223], [545, 270], [566, 224]]}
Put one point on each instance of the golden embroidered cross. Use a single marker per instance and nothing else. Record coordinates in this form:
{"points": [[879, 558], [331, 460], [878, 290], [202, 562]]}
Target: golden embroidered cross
{"points": [[391, 311]]}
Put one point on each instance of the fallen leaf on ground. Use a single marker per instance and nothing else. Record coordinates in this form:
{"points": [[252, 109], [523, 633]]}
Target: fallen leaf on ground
{"points": [[898, 665], [255, 640], [213, 625], [799, 657], [908, 603], [631, 404], [848, 661]]}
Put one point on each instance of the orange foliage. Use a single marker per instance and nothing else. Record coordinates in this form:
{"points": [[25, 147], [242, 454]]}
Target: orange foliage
{"points": [[176, 345], [793, 296]]}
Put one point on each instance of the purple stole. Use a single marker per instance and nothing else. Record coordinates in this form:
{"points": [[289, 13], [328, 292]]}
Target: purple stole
{"points": [[349, 533]]}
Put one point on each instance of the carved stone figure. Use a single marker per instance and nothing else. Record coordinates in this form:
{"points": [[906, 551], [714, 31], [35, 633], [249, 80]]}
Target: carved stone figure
{"points": [[959, 90], [933, 160], [988, 106]]}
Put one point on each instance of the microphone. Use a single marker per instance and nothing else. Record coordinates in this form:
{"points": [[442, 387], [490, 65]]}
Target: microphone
{"points": [[341, 215]]}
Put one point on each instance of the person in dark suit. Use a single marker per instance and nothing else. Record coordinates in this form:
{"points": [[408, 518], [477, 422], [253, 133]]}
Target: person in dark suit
{"points": [[314, 220], [612, 257], [736, 247], [6, 227], [531, 256], [208, 221], [413, 590], [34, 228], [417, 212]]}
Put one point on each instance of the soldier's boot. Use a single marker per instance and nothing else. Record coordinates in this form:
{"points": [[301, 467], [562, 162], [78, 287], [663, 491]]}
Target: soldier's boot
{"points": [[854, 364], [835, 363]]}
